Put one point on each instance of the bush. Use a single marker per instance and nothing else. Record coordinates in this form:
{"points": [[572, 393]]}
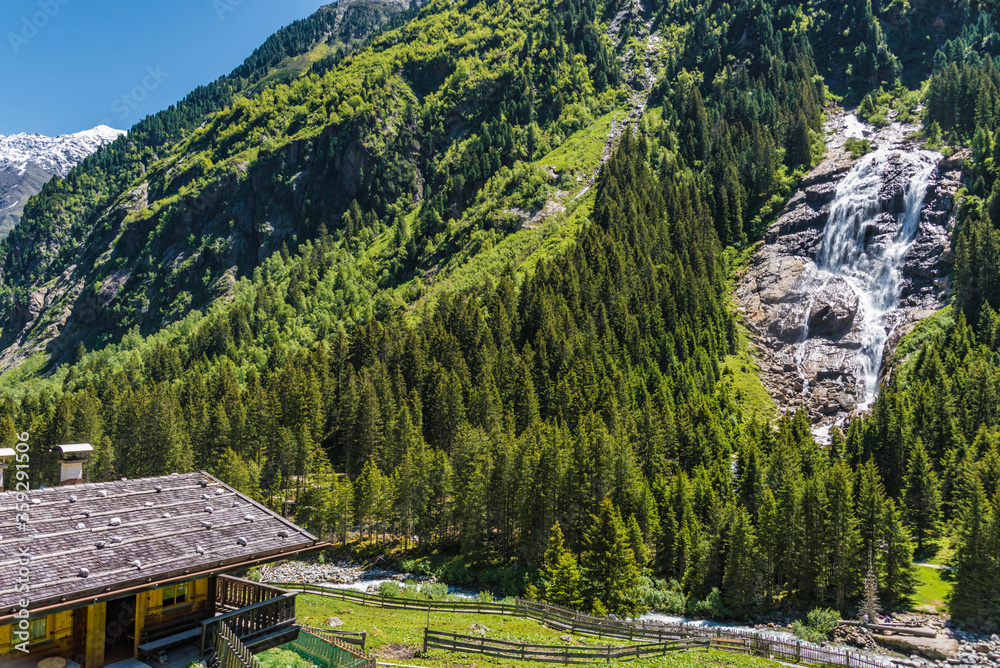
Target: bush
{"points": [[663, 596], [858, 147], [819, 623], [710, 606], [390, 589], [434, 590]]}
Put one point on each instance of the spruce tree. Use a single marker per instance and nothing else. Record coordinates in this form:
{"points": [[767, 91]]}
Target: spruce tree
{"points": [[976, 576], [610, 572], [561, 581], [896, 555], [921, 494]]}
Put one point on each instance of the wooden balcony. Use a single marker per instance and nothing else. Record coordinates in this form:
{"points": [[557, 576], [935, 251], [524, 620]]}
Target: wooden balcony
{"points": [[260, 617]]}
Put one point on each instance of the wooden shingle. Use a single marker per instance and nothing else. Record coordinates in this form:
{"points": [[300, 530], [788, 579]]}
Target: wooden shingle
{"points": [[92, 539]]}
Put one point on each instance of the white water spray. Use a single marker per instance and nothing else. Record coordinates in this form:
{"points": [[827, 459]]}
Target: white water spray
{"points": [[869, 262]]}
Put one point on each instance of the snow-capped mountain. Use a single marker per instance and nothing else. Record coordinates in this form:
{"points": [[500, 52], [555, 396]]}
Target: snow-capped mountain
{"points": [[27, 161]]}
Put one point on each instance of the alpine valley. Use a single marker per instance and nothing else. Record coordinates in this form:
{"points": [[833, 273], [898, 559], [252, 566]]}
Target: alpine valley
{"points": [[623, 305]]}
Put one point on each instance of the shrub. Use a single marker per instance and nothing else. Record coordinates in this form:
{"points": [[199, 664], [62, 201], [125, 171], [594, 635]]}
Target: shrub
{"points": [[819, 623], [858, 147], [710, 606]]}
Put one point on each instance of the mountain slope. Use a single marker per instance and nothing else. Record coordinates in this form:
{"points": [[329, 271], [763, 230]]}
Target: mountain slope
{"points": [[28, 161], [481, 266]]}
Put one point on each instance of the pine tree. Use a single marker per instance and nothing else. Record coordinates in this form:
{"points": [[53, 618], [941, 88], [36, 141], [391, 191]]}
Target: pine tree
{"points": [[610, 572], [560, 574], [921, 494], [742, 573], [896, 555], [976, 576]]}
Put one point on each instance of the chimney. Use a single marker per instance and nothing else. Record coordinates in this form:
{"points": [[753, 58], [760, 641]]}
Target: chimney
{"points": [[71, 462], [5, 456]]}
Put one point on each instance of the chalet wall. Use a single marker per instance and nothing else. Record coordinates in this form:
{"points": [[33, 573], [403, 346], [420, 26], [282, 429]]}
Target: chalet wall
{"points": [[57, 642]]}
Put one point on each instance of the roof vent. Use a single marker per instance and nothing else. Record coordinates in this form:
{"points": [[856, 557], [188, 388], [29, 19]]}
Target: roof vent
{"points": [[283, 534], [218, 491], [236, 504], [80, 526], [203, 483], [137, 564], [115, 521], [85, 513], [248, 518], [116, 539], [99, 544], [206, 524], [209, 509], [83, 573], [103, 493], [205, 496], [35, 502], [241, 541], [148, 504], [199, 549], [166, 515], [158, 488], [72, 498]]}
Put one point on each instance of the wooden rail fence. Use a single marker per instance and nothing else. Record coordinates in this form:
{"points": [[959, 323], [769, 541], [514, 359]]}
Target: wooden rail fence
{"points": [[356, 638], [328, 651], [573, 621], [565, 654], [230, 652]]}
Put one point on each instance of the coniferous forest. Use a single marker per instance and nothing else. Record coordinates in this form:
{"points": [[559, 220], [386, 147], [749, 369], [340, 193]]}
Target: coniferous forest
{"points": [[334, 289]]}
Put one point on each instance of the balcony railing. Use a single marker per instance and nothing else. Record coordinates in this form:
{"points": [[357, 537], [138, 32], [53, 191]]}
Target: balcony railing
{"points": [[235, 593], [265, 616]]}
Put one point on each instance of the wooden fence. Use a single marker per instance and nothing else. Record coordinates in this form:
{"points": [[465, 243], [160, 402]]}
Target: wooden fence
{"points": [[327, 651], [573, 621], [356, 638], [230, 652], [564, 654]]}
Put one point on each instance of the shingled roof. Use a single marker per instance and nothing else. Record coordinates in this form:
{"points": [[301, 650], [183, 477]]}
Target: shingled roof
{"points": [[94, 539]]}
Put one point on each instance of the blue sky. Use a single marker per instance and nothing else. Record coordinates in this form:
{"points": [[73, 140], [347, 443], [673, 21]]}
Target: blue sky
{"points": [[68, 65]]}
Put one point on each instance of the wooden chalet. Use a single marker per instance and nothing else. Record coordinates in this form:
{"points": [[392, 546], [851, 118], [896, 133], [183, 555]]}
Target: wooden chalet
{"points": [[132, 568]]}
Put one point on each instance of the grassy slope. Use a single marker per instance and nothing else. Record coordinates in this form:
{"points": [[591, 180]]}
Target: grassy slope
{"points": [[405, 627]]}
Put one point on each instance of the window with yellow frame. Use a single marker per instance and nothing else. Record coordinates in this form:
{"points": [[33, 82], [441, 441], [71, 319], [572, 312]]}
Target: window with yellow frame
{"points": [[175, 595]]}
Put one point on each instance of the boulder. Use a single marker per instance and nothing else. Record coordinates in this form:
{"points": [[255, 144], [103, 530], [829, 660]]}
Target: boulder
{"points": [[936, 649], [834, 309], [955, 161]]}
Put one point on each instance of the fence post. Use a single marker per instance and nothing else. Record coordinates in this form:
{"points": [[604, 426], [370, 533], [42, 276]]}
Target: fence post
{"points": [[425, 640], [798, 651]]}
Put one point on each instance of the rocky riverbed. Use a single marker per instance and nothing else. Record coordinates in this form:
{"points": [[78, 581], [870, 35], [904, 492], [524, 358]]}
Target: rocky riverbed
{"points": [[814, 322], [341, 575]]}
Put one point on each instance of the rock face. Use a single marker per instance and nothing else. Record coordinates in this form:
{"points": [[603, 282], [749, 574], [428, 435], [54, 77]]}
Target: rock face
{"points": [[844, 272]]}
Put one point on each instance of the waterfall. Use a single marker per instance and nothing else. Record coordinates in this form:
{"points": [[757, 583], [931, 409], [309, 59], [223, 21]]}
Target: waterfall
{"points": [[866, 247]]}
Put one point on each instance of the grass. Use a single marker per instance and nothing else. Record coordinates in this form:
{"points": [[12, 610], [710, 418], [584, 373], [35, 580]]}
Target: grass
{"points": [[933, 589], [742, 374], [938, 551], [581, 152], [928, 329], [399, 633]]}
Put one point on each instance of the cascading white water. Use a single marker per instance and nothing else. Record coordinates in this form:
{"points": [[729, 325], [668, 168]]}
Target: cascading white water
{"points": [[868, 261]]}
